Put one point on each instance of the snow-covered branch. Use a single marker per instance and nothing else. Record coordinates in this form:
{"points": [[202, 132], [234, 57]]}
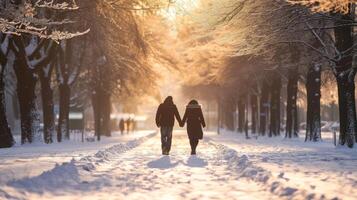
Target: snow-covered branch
{"points": [[27, 18], [57, 6]]}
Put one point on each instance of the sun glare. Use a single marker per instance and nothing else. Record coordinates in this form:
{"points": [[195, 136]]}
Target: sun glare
{"points": [[180, 7]]}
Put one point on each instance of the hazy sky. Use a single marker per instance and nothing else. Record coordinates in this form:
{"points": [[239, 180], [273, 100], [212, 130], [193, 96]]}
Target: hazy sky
{"points": [[180, 7]]}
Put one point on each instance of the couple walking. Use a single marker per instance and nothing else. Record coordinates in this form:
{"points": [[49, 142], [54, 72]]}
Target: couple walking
{"points": [[165, 119]]}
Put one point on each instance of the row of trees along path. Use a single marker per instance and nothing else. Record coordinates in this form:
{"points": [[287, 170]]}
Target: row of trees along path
{"points": [[91, 51]]}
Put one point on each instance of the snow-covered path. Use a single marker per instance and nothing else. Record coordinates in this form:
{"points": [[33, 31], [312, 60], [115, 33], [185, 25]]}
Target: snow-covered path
{"points": [[227, 167], [142, 173]]}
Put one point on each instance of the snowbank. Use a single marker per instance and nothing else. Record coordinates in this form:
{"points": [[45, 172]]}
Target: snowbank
{"points": [[292, 168], [66, 176], [244, 168]]}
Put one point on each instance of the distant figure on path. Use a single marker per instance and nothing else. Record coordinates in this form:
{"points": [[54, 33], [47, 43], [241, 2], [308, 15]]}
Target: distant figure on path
{"points": [[134, 125], [195, 121], [128, 124], [121, 126], [165, 119], [246, 130]]}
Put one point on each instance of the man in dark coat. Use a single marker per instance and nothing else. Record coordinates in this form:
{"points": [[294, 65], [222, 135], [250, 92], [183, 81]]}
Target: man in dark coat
{"points": [[165, 119], [195, 121]]}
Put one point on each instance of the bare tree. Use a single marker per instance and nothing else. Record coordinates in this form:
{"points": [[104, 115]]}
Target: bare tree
{"points": [[5, 132]]}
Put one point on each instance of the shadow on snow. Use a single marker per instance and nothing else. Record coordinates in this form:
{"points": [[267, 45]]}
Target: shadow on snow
{"points": [[162, 163], [165, 162], [194, 161]]}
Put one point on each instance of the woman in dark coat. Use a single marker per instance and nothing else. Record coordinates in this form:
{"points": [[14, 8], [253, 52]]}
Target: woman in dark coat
{"points": [[195, 121]]}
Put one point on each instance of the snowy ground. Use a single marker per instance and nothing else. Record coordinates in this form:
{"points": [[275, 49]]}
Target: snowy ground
{"points": [[32, 159], [317, 169], [227, 167]]}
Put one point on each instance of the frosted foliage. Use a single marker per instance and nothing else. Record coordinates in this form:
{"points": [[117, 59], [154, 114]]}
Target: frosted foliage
{"points": [[63, 35], [247, 27], [325, 5], [24, 18], [57, 6]]}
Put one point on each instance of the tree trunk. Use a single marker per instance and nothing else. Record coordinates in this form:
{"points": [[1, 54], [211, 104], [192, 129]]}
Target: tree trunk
{"points": [[219, 108], [347, 108], [97, 112], [229, 110], [26, 94], [313, 90], [345, 74], [64, 104], [6, 139], [241, 115], [254, 110], [264, 109], [47, 108], [106, 111], [275, 106], [291, 106]]}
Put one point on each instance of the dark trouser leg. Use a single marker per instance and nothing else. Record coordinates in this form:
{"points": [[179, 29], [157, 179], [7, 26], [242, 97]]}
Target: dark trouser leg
{"points": [[169, 139], [193, 143], [163, 139], [166, 137]]}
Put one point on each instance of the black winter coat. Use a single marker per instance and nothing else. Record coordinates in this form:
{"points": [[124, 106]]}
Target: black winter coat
{"points": [[195, 121], [165, 115]]}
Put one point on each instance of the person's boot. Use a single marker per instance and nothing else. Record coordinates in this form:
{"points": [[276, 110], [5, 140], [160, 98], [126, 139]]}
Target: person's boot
{"points": [[165, 152]]}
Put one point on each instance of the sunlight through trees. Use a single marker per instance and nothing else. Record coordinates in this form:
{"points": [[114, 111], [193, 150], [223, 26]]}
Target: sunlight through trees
{"points": [[258, 61]]}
